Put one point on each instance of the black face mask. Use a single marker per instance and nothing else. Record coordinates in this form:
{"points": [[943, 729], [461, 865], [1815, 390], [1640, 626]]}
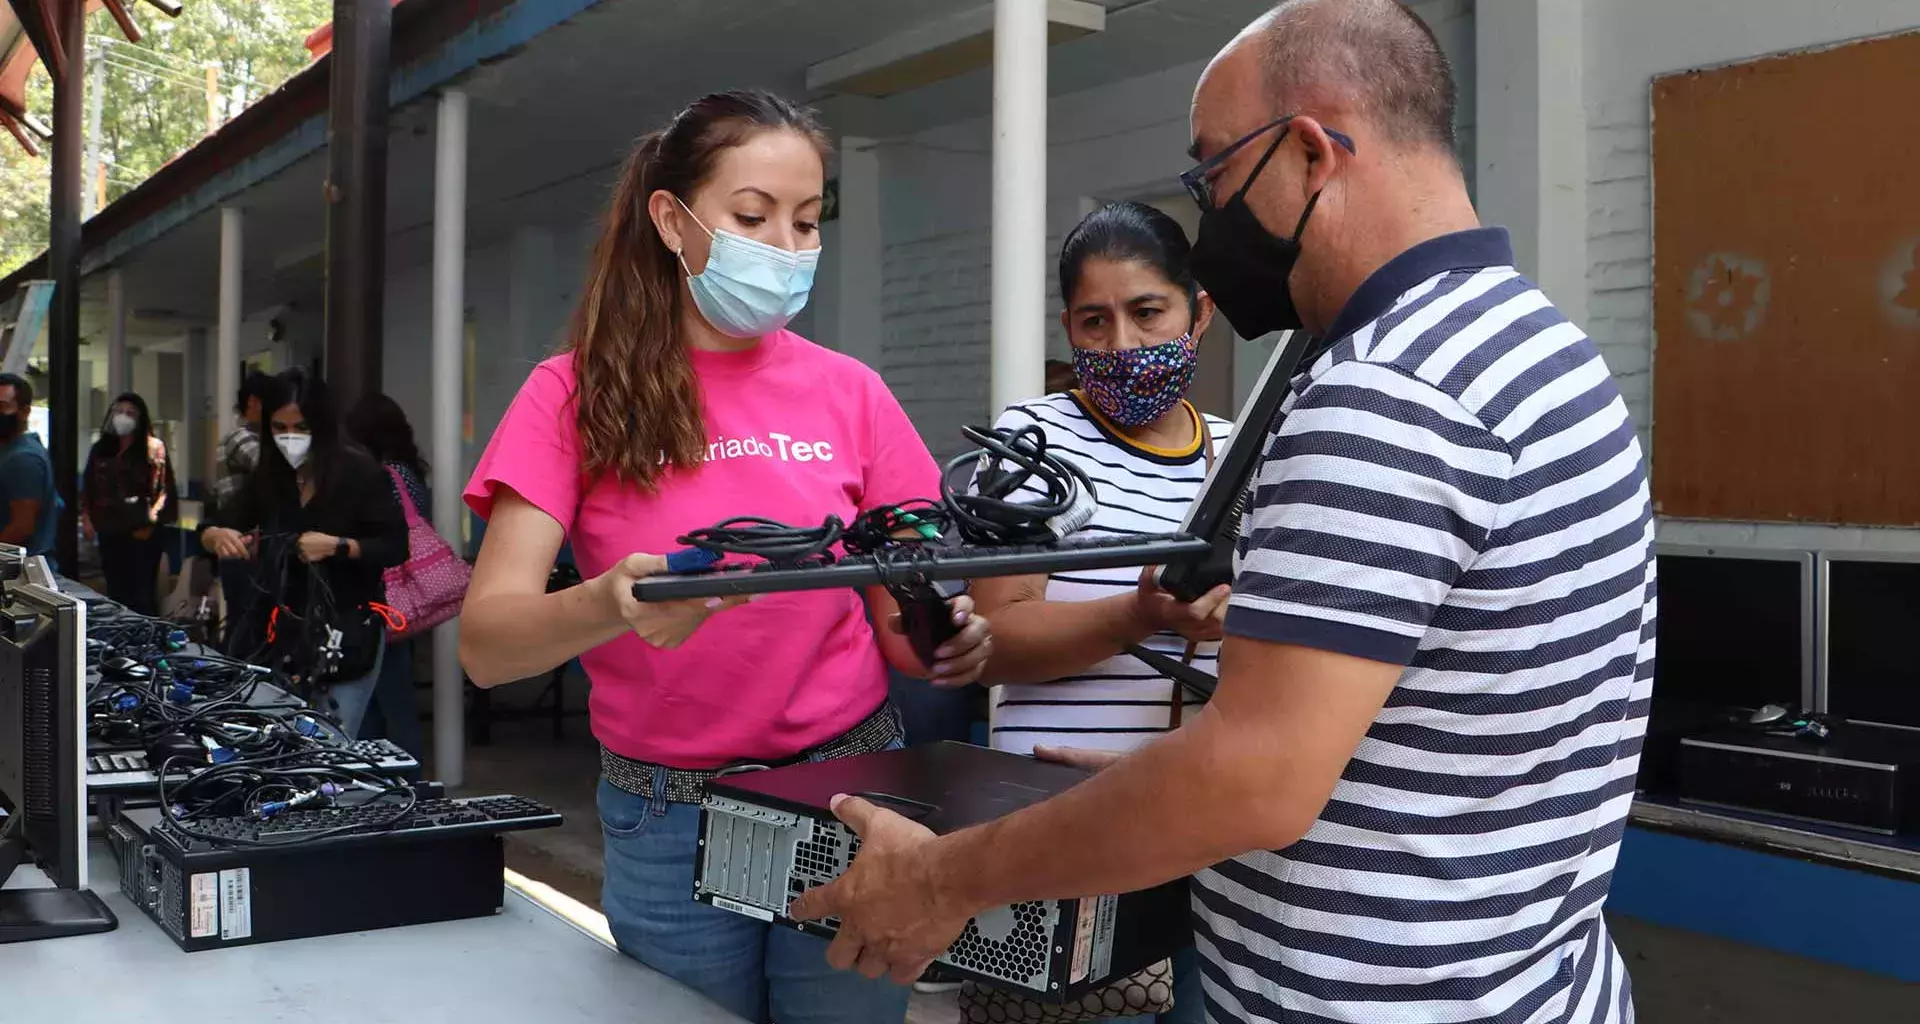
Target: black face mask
{"points": [[1244, 267], [9, 425]]}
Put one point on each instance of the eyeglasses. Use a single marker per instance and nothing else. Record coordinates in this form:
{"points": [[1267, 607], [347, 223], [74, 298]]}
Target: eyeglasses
{"points": [[1199, 180]]}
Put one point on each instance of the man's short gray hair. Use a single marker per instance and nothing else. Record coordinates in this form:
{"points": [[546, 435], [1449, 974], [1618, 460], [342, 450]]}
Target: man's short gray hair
{"points": [[1376, 55]]}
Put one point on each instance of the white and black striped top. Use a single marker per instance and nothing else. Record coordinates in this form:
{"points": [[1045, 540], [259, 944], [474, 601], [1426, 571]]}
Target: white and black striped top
{"points": [[1456, 488], [1119, 703]]}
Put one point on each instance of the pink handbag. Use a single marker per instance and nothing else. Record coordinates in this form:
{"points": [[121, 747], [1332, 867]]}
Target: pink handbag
{"points": [[426, 589]]}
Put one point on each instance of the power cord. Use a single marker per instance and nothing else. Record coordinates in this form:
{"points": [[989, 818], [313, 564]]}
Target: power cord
{"points": [[982, 511], [1006, 462], [755, 536], [262, 788]]}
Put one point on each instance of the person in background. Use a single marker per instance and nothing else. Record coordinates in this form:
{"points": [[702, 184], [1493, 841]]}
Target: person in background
{"points": [[328, 526], [240, 449], [128, 494], [682, 401], [378, 425], [28, 500], [239, 453], [1406, 798], [1133, 316]]}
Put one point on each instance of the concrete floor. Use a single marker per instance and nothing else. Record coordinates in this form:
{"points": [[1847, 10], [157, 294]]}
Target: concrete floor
{"points": [[1678, 977]]}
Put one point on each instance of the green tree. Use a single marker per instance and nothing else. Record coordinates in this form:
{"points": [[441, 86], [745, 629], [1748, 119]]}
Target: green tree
{"points": [[157, 97]]}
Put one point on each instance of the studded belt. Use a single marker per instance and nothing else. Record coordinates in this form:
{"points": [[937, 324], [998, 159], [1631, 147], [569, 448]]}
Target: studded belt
{"points": [[876, 732]]}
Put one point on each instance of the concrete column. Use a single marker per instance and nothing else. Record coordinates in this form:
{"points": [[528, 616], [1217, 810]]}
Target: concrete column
{"points": [[1531, 127], [1019, 340], [226, 352], [857, 329], [449, 376], [197, 460], [117, 376]]}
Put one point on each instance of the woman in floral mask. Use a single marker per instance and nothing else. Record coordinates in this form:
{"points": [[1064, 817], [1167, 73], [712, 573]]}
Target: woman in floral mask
{"points": [[1133, 315]]}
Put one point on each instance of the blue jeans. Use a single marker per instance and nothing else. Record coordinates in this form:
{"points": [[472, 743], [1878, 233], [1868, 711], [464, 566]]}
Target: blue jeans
{"points": [[931, 714], [347, 702], [754, 970]]}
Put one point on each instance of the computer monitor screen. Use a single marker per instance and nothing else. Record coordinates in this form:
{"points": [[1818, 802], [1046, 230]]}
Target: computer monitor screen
{"points": [[1734, 629], [1872, 618], [41, 731]]}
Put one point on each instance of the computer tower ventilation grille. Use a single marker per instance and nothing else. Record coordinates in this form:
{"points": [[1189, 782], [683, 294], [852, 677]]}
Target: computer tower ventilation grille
{"points": [[757, 859], [38, 772], [1009, 943]]}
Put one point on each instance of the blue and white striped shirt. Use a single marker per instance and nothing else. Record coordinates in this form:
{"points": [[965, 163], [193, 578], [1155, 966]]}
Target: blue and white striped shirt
{"points": [[1455, 488]]}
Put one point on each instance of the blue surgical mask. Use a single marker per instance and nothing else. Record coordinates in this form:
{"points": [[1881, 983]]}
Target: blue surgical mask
{"points": [[749, 288]]}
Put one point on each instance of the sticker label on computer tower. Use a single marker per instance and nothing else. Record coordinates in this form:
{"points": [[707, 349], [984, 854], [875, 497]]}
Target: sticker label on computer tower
{"points": [[203, 905], [236, 904], [1082, 941], [1103, 929], [741, 908]]}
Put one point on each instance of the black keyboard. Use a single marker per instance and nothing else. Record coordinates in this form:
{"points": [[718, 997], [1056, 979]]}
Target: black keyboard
{"points": [[375, 820], [965, 562], [115, 770]]}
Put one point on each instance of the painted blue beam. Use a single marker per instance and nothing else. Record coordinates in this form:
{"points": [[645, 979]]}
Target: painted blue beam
{"points": [[484, 40], [1853, 918]]}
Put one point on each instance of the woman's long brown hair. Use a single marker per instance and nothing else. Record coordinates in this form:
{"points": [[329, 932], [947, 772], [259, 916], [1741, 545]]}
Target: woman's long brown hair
{"points": [[637, 405]]}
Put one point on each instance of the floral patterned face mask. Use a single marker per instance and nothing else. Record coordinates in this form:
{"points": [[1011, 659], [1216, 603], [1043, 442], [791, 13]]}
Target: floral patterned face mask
{"points": [[1136, 386]]}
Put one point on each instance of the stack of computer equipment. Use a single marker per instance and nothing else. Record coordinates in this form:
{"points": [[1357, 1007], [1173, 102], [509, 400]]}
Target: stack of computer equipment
{"points": [[264, 822], [1735, 635], [1783, 686], [238, 814], [267, 854]]}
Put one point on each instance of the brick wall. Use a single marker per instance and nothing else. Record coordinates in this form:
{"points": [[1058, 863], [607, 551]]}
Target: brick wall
{"points": [[935, 311]]}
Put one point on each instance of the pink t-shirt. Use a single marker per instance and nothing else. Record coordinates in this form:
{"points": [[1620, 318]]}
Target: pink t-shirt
{"points": [[795, 432]]}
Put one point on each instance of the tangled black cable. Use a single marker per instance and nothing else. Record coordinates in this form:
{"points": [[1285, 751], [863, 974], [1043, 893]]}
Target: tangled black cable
{"points": [[979, 509], [758, 537], [913, 523], [130, 634], [260, 788], [981, 505]]}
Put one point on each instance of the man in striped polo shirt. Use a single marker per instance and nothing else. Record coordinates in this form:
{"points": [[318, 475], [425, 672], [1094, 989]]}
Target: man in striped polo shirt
{"points": [[1405, 801]]}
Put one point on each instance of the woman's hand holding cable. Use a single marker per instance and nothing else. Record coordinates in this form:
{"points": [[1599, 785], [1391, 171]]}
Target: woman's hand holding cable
{"points": [[225, 543], [318, 547], [961, 660], [665, 624]]}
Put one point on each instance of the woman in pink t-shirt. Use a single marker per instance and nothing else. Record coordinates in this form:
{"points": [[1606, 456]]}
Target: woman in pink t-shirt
{"points": [[683, 401]]}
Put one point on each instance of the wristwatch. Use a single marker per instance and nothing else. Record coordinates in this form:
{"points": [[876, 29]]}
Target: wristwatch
{"points": [[341, 549]]}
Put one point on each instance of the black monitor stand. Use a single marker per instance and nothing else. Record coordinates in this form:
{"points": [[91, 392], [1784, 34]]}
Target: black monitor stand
{"points": [[1216, 512], [29, 914]]}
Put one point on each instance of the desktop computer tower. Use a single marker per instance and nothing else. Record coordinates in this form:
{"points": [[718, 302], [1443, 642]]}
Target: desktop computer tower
{"points": [[205, 897], [768, 836]]}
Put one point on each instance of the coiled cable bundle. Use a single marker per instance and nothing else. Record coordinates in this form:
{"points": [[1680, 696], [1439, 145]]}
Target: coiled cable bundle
{"points": [[982, 507]]}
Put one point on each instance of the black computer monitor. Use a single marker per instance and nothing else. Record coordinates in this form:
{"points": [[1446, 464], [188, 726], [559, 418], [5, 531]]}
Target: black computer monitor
{"points": [[1735, 627], [1216, 510], [1869, 621], [42, 785]]}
